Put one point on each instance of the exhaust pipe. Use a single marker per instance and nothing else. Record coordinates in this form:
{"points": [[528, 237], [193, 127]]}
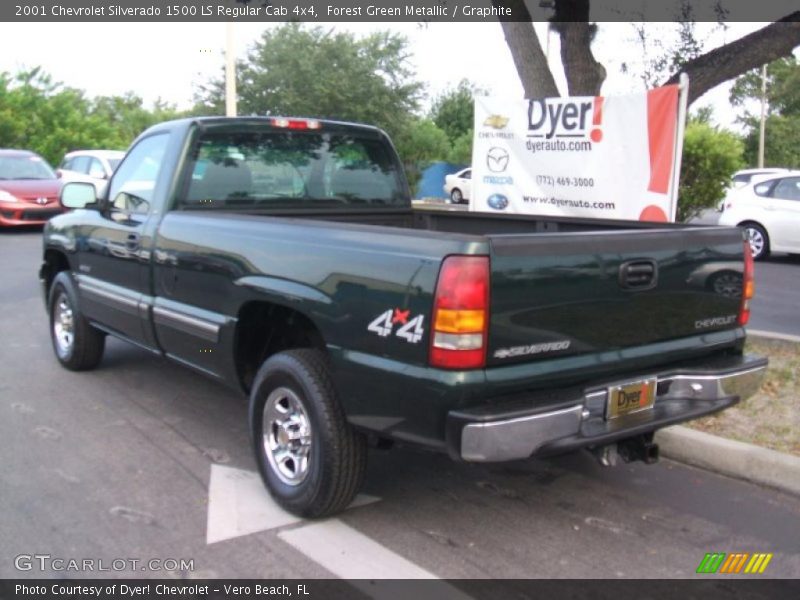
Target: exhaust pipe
{"points": [[632, 449], [641, 448]]}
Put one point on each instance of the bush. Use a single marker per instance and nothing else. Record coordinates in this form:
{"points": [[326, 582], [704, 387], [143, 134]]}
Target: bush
{"points": [[710, 157]]}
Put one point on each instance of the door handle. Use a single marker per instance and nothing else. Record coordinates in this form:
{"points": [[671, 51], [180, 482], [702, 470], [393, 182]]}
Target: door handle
{"points": [[132, 241]]}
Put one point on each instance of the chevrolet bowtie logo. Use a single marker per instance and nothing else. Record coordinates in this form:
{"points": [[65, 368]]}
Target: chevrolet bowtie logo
{"points": [[496, 121]]}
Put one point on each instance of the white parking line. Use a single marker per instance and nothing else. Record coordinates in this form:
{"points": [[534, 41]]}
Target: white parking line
{"points": [[238, 504], [351, 555]]}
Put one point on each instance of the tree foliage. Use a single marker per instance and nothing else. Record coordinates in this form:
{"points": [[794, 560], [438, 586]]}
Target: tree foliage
{"points": [[782, 128], [315, 72], [39, 114], [454, 110], [710, 157], [419, 144]]}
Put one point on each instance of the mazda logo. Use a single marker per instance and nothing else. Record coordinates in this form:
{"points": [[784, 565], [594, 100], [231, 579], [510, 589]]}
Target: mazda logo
{"points": [[497, 160]]}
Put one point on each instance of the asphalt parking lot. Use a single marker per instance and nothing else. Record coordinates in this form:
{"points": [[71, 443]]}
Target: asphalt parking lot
{"points": [[144, 460]]}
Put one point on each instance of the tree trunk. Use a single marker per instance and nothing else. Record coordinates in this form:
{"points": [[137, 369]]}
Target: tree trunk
{"points": [[585, 76], [526, 50], [731, 60]]}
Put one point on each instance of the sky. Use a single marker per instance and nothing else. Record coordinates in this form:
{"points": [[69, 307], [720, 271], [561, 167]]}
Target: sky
{"points": [[168, 60]]}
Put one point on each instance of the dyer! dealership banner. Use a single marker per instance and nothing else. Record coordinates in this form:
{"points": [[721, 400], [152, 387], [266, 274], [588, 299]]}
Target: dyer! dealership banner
{"points": [[610, 157]]}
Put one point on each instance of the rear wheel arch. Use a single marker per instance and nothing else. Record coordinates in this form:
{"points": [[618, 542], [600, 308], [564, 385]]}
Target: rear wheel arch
{"points": [[265, 328]]}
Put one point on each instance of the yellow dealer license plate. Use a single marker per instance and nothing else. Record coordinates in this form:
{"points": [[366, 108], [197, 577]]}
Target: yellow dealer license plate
{"points": [[630, 398]]}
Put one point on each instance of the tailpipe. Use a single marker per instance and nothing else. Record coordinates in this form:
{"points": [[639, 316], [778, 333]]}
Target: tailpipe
{"points": [[628, 450], [640, 448]]}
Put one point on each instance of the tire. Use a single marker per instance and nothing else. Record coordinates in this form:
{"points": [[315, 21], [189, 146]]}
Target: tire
{"points": [[726, 283], [77, 345], [759, 240], [456, 197], [311, 460]]}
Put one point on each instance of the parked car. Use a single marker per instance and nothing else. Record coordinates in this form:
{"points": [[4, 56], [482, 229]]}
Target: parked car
{"points": [[28, 189], [284, 258], [92, 166], [458, 186], [745, 176], [769, 211]]}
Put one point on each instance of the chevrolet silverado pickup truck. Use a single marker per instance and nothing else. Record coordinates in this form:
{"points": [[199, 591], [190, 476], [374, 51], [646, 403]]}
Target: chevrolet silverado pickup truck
{"points": [[283, 257]]}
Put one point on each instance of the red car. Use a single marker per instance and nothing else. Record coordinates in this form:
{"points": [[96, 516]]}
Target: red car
{"points": [[28, 189]]}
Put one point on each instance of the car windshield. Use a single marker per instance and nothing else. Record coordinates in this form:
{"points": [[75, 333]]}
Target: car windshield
{"points": [[292, 169], [114, 163], [25, 167]]}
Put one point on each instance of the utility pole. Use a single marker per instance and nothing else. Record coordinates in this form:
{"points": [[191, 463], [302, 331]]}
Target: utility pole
{"points": [[762, 131], [230, 71]]}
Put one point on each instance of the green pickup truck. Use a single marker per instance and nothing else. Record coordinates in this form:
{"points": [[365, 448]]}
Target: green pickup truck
{"points": [[284, 258]]}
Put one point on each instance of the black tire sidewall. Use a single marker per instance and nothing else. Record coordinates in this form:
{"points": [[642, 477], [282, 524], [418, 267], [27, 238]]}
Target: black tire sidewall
{"points": [[285, 371], [63, 283]]}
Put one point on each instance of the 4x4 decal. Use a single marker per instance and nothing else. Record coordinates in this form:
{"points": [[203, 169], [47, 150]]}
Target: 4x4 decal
{"points": [[411, 330]]}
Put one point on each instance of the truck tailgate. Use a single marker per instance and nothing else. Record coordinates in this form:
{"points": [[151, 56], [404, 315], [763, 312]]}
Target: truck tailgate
{"points": [[573, 293]]}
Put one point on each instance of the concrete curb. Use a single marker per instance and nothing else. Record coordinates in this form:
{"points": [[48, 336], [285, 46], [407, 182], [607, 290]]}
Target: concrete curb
{"points": [[773, 336], [732, 458]]}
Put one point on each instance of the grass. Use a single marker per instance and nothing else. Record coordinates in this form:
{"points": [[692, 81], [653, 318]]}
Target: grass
{"points": [[771, 418]]}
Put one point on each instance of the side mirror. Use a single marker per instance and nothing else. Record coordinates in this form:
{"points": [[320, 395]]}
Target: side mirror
{"points": [[77, 194]]}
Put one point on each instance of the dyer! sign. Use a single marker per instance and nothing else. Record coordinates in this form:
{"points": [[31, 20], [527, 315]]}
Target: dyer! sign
{"points": [[613, 157]]}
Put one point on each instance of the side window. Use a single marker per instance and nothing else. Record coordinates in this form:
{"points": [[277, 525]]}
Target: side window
{"points": [[467, 175], [788, 189], [96, 169], [763, 189], [80, 164], [133, 183]]}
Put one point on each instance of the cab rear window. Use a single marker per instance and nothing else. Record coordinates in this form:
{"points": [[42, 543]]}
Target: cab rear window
{"points": [[292, 169]]}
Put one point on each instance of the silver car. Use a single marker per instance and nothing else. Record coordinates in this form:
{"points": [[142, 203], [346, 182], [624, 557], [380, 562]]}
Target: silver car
{"points": [[91, 166]]}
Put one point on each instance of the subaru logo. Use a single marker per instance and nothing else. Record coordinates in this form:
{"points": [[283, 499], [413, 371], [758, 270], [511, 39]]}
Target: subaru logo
{"points": [[497, 160], [497, 201]]}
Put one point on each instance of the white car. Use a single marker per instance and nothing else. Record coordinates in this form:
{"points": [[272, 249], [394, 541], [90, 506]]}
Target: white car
{"points": [[769, 211], [458, 186], [745, 176], [91, 166]]}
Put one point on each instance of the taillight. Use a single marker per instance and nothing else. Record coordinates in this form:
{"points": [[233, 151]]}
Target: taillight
{"points": [[748, 285], [461, 313], [296, 123]]}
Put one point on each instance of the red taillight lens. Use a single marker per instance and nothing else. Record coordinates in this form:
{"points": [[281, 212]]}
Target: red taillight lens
{"points": [[461, 313], [748, 284]]}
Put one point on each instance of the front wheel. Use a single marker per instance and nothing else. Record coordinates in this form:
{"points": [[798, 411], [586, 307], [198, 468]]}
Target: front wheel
{"points": [[309, 457], [78, 346]]}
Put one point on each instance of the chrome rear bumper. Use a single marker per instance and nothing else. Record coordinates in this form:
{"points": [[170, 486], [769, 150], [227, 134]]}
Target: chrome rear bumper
{"points": [[682, 395]]}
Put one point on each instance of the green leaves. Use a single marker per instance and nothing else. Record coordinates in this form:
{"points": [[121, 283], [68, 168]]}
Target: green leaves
{"points": [[51, 119], [295, 70], [710, 157]]}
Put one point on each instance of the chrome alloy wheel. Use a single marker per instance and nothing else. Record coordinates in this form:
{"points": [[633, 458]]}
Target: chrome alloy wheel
{"points": [[757, 241], [63, 325], [728, 285], [287, 436]]}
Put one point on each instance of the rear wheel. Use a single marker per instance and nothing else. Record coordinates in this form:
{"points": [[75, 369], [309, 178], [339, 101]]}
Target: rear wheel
{"points": [[759, 240], [78, 346], [456, 196], [309, 457]]}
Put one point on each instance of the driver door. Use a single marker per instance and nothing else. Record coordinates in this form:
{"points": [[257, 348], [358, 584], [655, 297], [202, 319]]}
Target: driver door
{"points": [[113, 265]]}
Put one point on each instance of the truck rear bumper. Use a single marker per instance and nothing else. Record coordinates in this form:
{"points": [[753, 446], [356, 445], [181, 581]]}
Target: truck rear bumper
{"points": [[507, 431]]}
